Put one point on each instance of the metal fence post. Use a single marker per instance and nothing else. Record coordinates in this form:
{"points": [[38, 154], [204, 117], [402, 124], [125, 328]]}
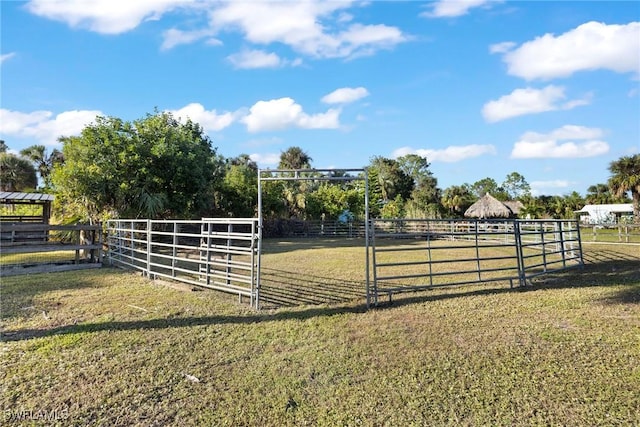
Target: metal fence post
{"points": [[563, 250], [522, 278], [149, 237]]}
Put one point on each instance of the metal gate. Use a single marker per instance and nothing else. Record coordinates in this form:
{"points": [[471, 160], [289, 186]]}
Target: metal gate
{"points": [[215, 253], [417, 254]]}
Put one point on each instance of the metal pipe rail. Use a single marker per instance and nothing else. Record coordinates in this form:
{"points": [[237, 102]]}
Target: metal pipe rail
{"points": [[483, 251], [222, 256]]}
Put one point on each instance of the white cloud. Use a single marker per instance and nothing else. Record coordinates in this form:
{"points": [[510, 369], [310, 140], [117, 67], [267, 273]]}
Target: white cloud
{"points": [[6, 56], [590, 46], [345, 95], [533, 145], [320, 29], [13, 122], [344, 17], [255, 59], [283, 113], [557, 183], [174, 37], [453, 8], [361, 40], [248, 59], [544, 187], [104, 16], [305, 27], [529, 101], [570, 132], [43, 126], [448, 155], [210, 120], [265, 159], [501, 47]]}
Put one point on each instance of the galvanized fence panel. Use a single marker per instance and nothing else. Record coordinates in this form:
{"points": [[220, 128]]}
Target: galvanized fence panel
{"points": [[548, 245], [285, 228], [437, 253], [220, 254]]}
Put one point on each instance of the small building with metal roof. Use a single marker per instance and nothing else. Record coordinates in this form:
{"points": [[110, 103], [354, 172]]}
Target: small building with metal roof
{"points": [[11, 198]]}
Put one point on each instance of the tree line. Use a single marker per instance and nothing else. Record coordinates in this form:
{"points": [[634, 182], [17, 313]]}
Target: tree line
{"points": [[159, 167]]}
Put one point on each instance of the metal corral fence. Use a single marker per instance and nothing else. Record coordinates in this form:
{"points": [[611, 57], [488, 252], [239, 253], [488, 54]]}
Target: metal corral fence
{"points": [[285, 228], [438, 253], [220, 254], [43, 248]]}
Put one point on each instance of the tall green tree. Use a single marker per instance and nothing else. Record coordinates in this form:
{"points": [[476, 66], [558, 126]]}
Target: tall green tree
{"points": [[484, 186], [625, 178], [154, 167], [392, 180], [425, 196], [516, 186], [331, 200], [239, 195], [16, 173]]}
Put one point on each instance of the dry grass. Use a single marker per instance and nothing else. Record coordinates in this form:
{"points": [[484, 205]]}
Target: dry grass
{"points": [[107, 347]]}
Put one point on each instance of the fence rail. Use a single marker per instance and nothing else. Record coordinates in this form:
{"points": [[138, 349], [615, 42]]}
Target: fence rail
{"points": [[439, 253], [38, 219], [37, 248], [312, 228], [611, 233], [220, 254]]}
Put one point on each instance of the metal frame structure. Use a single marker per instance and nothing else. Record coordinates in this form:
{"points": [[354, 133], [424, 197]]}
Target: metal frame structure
{"points": [[226, 252], [314, 175]]}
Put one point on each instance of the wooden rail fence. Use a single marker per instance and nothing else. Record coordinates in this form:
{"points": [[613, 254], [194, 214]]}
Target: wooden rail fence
{"points": [[42, 248]]}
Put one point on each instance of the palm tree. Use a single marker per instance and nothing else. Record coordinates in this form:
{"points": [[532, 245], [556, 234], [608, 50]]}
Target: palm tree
{"points": [[599, 194], [572, 202], [16, 173], [626, 178], [295, 193], [43, 163], [534, 208], [457, 199], [294, 158]]}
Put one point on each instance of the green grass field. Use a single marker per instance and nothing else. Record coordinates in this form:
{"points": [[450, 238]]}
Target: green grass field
{"points": [[108, 347]]}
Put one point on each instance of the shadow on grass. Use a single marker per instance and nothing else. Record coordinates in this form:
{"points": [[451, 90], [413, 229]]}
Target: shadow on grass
{"points": [[281, 288], [602, 268], [180, 322], [20, 291]]}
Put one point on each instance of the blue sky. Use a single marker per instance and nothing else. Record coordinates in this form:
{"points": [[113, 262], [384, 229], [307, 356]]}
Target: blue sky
{"points": [[480, 88]]}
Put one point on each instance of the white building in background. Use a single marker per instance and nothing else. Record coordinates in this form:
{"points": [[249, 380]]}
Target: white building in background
{"points": [[605, 214]]}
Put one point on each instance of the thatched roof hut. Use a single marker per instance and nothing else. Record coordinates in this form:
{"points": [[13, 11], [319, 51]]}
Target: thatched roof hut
{"points": [[515, 205], [489, 207]]}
